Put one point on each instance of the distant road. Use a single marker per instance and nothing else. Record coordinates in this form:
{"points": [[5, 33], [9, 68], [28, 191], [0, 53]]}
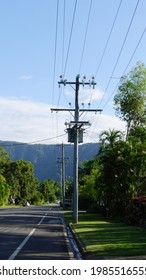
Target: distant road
{"points": [[32, 233]]}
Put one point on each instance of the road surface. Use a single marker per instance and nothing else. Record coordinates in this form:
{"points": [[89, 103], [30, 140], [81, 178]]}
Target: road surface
{"points": [[32, 233]]}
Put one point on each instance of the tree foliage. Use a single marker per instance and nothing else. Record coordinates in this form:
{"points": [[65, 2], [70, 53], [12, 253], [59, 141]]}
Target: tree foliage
{"points": [[4, 191], [18, 183], [50, 190], [20, 176], [130, 101], [4, 160], [118, 173]]}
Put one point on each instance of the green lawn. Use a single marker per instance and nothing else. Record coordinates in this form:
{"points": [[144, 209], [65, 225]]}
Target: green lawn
{"points": [[102, 239]]}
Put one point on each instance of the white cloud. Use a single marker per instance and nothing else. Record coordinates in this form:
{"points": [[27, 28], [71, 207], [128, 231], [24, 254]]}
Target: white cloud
{"points": [[29, 121], [104, 122], [87, 95], [90, 94], [25, 77], [25, 120]]}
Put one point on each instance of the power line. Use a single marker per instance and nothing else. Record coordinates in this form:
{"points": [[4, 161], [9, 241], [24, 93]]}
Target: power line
{"points": [[91, 137], [63, 34], [135, 50], [139, 41], [60, 93], [70, 37], [55, 51], [108, 39], [127, 65], [106, 45], [120, 50], [33, 142], [89, 13], [108, 36]]}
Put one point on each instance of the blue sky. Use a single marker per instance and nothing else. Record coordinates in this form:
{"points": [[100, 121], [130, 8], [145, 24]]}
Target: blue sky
{"points": [[37, 46]]}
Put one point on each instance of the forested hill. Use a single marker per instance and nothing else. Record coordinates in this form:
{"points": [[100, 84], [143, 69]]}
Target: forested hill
{"points": [[46, 158]]}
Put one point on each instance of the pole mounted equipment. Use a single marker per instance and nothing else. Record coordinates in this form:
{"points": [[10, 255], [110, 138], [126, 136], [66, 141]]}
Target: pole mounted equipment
{"points": [[75, 131]]}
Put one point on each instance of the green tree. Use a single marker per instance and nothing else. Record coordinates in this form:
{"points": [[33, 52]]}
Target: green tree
{"points": [[4, 160], [130, 101], [118, 173], [50, 190], [137, 142], [116, 177], [89, 186], [37, 198], [110, 137], [4, 191], [20, 176]]}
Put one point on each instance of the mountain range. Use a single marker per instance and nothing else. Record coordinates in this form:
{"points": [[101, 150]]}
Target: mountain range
{"points": [[46, 159]]}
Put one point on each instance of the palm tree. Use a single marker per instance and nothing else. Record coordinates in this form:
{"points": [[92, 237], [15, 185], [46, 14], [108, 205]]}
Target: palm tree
{"points": [[110, 137]]}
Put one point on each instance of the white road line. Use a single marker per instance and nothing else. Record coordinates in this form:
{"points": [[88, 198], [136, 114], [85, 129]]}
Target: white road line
{"points": [[42, 219], [16, 252], [12, 257]]}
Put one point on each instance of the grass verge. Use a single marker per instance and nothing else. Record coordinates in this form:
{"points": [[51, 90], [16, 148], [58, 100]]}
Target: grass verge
{"points": [[104, 239]]}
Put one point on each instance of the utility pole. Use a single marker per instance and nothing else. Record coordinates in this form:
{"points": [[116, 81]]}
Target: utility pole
{"points": [[63, 174], [61, 196], [76, 159], [62, 162], [75, 133]]}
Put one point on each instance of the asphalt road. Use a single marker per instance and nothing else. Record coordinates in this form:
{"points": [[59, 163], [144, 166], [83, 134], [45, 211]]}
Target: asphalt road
{"points": [[32, 233]]}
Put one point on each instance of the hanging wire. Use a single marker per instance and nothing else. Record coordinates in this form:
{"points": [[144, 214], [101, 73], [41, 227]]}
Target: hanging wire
{"points": [[84, 43], [123, 72], [32, 142], [108, 39], [131, 21], [107, 42], [63, 43], [126, 66], [55, 51], [63, 40], [70, 37], [60, 93], [106, 45], [87, 25], [91, 133]]}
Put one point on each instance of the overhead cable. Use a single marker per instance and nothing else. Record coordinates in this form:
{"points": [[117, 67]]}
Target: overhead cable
{"points": [[55, 51], [33, 142], [127, 65], [131, 21], [106, 45], [108, 39], [89, 13], [63, 39], [70, 37]]}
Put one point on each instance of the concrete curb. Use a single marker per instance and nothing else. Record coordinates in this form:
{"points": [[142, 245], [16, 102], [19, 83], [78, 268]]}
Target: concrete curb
{"points": [[73, 246], [70, 251]]}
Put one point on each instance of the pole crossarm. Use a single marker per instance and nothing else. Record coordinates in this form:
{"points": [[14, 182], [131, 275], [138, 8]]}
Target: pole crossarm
{"points": [[74, 83], [62, 110], [83, 82], [64, 82], [80, 122], [90, 110], [73, 110]]}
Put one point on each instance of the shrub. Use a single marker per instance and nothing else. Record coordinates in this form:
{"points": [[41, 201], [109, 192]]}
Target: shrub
{"points": [[136, 211]]}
